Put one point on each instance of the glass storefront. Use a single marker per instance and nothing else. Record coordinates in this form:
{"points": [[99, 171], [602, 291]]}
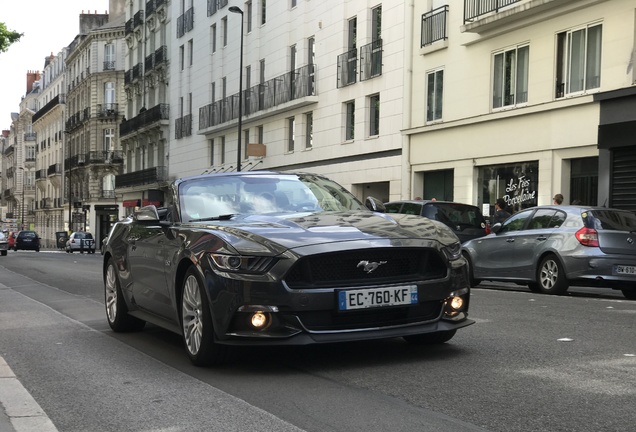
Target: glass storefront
{"points": [[515, 183]]}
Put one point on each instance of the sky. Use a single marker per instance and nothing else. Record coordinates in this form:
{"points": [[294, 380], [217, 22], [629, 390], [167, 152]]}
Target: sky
{"points": [[48, 26]]}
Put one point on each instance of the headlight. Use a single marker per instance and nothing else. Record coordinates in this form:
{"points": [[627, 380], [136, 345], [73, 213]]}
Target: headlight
{"points": [[453, 251], [242, 264]]}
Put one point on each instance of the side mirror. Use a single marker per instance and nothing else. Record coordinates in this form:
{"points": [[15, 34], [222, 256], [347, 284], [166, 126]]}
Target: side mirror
{"points": [[147, 214], [375, 204], [496, 227]]}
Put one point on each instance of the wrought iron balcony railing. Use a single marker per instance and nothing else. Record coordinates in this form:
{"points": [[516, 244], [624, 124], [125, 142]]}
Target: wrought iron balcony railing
{"points": [[284, 88], [109, 65], [30, 136], [107, 110], [347, 64], [183, 126], [145, 119], [476, 8], [142, 177], [371, 60], [59, 99], [54, 169], [185, 22], [434, 26]]}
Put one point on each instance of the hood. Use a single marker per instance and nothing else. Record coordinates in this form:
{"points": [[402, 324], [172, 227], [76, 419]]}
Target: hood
{"points": [[258, 234]]}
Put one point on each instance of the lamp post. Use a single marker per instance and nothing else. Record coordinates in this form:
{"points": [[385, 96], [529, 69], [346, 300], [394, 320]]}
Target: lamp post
{"points": [[22, 202], [236, 9]]}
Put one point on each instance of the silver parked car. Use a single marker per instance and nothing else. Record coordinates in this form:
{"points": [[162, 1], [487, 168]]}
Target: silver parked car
{"points": [[4, 244], [80, 241], [551, 247]]}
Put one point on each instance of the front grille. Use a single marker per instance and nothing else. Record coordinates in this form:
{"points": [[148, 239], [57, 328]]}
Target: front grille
{"points": [[370, 318], [347, 269]]}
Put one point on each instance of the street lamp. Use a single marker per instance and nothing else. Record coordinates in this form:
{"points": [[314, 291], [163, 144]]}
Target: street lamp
{"points": [[236, 9], [22, 202]]}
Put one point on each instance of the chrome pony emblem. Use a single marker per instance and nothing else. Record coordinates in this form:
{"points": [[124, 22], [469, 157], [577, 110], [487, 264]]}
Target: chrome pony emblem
{"points": [[629, 240], [369, 266]]}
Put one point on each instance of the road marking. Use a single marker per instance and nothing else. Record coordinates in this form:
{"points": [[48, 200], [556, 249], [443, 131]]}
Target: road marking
{"points": [[23, 411]]}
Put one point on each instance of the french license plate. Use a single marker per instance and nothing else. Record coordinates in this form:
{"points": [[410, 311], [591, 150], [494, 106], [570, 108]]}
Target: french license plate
{"points": [[377, 297], [623, 269]]}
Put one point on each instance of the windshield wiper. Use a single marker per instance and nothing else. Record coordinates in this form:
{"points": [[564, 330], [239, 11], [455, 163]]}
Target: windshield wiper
{"points": [[214, 218]]}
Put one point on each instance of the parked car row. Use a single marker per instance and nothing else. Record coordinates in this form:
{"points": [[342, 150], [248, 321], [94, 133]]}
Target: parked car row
{"points": [[30, 240], [547, 248]]}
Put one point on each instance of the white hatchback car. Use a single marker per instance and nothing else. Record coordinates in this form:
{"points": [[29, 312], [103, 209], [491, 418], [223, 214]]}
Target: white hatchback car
{"points": [[80, 241]]}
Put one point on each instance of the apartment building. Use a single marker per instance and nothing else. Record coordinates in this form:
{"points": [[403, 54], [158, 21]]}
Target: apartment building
{"points": [[322, 86], [20, 157], [523, 99], [95, 107], [144, 133], [48, 125]]}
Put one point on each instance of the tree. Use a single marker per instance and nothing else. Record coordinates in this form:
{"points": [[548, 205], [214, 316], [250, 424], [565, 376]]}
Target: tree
{"points": [[7, 37]]}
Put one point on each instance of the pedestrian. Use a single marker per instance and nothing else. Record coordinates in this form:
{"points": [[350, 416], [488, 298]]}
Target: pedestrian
{"points": [[500, 211], [558, 199]]}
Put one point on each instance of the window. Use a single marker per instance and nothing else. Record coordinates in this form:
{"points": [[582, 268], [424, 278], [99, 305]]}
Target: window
{"points": [[350, 120], [224, 28], [182, 57], [190, 52], [376, 23], [434, 95], [516, 222], [261, 134], [291, 133], [222, 150], [246, 140], [294, 3], [347, 62], [109, 96], [109, 56], [374, 115], [213, 36], [211, 147], [309, 130], [510, 77], [578, 60], [263, 11], [248, 12], [109, 136]]}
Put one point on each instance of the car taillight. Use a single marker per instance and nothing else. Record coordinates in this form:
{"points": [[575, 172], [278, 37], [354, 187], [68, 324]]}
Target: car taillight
{"points": [[487, 229], [587, 237]]}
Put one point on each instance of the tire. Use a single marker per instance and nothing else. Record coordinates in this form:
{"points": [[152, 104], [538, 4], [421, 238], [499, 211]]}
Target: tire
{"points": [[471, 278], [196, 324], [37, 250], [551, 276], [629, 293], [431, 338], [116, 308], [534, 287]]}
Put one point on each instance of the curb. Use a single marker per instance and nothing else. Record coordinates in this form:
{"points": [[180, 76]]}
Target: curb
{"points": [[23, 414]]}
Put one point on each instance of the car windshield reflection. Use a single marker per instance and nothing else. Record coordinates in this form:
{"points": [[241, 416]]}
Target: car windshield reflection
{"points": [[220, 198]]}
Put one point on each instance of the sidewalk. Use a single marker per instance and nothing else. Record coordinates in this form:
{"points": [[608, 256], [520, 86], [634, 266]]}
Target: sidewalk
{"points": [[19, 412]]}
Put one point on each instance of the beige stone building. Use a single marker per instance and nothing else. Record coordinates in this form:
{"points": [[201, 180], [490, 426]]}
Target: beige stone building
{"points": [[145, 136], [48, 124], [95, 107], [523, 99]]}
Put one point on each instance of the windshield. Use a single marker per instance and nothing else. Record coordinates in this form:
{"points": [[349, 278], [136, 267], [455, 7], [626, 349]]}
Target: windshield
{"points": [[216, 196]]}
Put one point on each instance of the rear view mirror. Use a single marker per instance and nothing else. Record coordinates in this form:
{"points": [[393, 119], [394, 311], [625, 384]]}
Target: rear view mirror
{"points": [[375, 204]]}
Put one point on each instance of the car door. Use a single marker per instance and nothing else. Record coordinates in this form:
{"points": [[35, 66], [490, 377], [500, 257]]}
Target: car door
{"points": [[535, 239], [148, 249], [493, 255]]}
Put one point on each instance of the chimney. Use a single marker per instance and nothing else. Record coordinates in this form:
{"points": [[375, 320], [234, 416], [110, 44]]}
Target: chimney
{"points": [[32, 77], [5, 133]]}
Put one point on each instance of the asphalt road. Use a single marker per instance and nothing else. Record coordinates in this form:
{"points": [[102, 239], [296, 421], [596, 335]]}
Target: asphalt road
{"points": [[531, 363]]}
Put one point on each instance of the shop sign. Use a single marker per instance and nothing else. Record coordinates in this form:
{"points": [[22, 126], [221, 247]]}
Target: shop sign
{"points": [[518, 191]]}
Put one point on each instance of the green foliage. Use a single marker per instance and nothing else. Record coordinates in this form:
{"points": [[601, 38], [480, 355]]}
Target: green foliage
{"points": [[7, 37]]}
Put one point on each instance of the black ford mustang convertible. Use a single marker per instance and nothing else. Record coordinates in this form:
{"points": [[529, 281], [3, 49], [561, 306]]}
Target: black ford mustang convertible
{"points": [[265, 258]]}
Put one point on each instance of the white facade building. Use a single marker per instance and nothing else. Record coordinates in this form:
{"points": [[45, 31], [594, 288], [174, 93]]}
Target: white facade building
{"points": [[508, 102], [323, 86]]}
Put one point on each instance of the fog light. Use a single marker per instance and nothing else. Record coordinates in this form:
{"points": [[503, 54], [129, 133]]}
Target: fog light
{"points": [[259, 320], [457, 303]]}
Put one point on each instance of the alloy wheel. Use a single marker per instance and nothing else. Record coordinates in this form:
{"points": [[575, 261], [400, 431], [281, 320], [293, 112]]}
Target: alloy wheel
{"points": [[192, 319]]}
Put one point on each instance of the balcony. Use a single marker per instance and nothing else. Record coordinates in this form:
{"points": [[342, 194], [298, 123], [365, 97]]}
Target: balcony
{"points": [[46, 203], [183, 126], [213, 7], [434, 26], [30, 136], [129, 28], [128, 77], [185, 22], [277, 91], [482, 16], [138, 19], [145, 120], [149, 63], [371, 60], [57, 100], [109, 65], [40, 174], [347, 64], [53, 169], [106, 157], [137, 70], [73, 122], [150, 8], [142, 177], [8, 150], [161, 56], [107, 110]]}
